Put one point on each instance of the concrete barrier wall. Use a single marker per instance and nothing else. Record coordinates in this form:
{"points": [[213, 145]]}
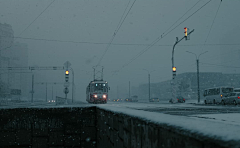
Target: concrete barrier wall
{"points": [[93, 128], [51, 127], [122, 131]]}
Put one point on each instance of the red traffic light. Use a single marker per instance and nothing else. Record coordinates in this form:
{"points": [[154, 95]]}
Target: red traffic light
{"points": [[185, 32]]}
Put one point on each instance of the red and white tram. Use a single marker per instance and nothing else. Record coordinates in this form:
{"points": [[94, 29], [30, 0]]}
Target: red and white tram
{"points": [[97, 92]]}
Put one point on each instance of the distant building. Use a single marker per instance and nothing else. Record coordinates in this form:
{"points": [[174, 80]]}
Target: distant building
{"points": [[16, 56], [6, 36]]}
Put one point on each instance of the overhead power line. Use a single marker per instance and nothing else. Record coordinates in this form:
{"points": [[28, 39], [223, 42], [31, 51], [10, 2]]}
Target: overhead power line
{"points": [[161, 37], [182, 16], [213, 22], [122, 44], [116, 31], [37, 17]]}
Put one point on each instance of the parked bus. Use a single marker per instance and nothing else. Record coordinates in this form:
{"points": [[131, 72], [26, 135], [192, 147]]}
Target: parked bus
{"points": [[236, 90], [215, 95]]}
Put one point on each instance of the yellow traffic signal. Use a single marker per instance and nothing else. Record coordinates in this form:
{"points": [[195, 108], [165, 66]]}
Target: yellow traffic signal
{"points": [[185, 31], [174, 69], [67, 72]]}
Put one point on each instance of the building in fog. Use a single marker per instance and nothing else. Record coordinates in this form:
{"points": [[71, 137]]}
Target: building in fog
{"points": [[16, 56], [6, 36]]}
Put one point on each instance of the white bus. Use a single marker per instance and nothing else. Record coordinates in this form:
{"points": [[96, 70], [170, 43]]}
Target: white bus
{"points": [[215, 95], [236, 90]]}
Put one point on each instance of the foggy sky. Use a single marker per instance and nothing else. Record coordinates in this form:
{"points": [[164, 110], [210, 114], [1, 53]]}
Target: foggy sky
{"points": [[94, 21]]}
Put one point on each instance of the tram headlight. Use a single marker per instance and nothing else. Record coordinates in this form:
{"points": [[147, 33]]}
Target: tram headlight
{"points": [[95, 96], [104, 96]]}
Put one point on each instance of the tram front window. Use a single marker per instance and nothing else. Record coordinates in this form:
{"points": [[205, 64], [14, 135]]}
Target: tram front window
{"points": [[100, 87]]}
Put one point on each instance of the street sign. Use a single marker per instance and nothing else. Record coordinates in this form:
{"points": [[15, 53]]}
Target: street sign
{"points": [[66, 90], [66, 84], [67, 64]]}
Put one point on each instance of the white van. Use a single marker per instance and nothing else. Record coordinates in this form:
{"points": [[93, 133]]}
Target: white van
{"points": [[215, 95], [236, 90]]}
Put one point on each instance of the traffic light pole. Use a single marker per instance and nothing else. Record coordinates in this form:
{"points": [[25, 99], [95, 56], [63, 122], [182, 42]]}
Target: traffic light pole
{"points": [[174, 73]]}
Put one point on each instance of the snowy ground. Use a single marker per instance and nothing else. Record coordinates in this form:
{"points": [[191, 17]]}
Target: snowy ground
{"points": [[224, 126], [211, 120]]}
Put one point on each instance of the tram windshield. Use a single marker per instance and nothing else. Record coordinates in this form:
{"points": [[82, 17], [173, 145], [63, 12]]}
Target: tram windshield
{"points": [[100, 87]]}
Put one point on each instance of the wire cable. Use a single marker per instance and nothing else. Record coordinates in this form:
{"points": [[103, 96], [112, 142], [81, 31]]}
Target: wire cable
{"points": [[182, 16], [36, 18], [161, 37], [120, 44], [213, 22], [116, 31]]}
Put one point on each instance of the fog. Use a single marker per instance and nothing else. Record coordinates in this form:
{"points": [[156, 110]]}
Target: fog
{"points": [[79, 31]]}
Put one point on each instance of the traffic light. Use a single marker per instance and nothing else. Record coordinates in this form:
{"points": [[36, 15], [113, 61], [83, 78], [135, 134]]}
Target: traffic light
{"points": [[174, 69], [185, 31], [66, 75]]}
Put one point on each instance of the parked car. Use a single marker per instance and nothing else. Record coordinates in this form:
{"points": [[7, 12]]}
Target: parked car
{"points": [[51, 101], [232, 98], [128, 99], [153, 100], [117, 100], [180, 99], [132, 99]]}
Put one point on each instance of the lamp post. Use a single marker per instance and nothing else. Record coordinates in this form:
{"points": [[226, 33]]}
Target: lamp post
{"points": [[149, 92], [197, 59]]}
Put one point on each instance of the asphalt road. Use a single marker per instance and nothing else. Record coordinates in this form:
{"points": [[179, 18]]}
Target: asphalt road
{"points": [[181, 109]]}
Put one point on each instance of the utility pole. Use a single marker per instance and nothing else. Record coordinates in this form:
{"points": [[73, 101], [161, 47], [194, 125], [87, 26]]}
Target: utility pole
{"points": [[198, 80], [197, 59], [52, 92], [32, 87], [149, 83], [149, 86], [173, 67], [46, 92], [46, 85], [117, 91], [129, 90]]}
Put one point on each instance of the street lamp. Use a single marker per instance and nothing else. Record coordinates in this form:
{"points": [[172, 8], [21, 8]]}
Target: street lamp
{"points": [[197, 58], [149, 95]]}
